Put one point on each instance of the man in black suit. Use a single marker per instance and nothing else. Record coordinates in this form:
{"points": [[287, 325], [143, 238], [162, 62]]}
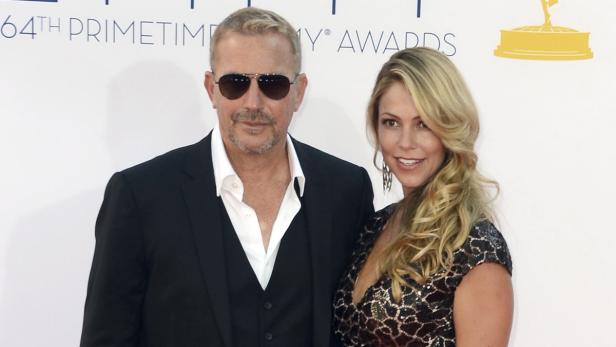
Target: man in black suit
{"points": [[239, 239]]}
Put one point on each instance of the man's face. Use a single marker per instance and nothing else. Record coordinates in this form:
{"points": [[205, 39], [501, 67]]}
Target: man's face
{"points": [[254, 123]]}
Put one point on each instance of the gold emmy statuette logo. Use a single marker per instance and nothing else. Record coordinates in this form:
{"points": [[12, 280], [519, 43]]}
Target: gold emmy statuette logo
{"points": [[544, 42]]}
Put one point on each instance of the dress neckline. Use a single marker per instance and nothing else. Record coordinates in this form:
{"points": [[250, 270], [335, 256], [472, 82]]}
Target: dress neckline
{"points": [[364, 253]]}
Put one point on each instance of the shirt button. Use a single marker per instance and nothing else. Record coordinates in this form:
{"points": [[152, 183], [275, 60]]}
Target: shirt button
{"points": [[269, 336], [267, 305]]}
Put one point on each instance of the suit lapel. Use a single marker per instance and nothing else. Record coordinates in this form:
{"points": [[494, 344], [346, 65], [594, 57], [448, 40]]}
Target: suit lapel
{"points": [[199, 192], [319, 219], [204, 211]]}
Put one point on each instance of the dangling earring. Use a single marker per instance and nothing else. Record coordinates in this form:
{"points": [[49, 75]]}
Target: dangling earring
{"points": [[387, 177]]}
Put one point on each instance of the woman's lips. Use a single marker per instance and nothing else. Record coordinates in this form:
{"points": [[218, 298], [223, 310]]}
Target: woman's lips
{"points": [[409, 163]]}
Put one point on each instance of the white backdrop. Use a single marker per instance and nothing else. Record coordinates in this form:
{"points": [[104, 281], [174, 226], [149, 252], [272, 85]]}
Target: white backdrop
{"points": [[78, 103]]}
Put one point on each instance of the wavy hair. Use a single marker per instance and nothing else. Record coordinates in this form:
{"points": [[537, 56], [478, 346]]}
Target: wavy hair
{"points": [[435, 219]]}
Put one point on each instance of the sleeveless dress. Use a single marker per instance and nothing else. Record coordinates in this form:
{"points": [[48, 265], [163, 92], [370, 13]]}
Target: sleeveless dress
{"points": [[424, 316]]}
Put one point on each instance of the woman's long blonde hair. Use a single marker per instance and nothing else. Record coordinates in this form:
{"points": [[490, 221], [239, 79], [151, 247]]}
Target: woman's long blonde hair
{"points": [[435, 219]]}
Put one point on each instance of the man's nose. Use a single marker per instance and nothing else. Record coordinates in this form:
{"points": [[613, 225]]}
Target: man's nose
{"points": [[254, 97]]}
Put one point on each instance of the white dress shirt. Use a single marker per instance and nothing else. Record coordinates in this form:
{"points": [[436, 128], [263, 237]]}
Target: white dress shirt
{"points": [[244, 218]]}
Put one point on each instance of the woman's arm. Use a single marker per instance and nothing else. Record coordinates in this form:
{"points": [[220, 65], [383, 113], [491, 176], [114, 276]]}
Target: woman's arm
{"points": [[483, 307]]}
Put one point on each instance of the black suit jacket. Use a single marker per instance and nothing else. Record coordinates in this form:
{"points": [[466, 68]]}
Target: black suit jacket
{"points": [[158, 276]]}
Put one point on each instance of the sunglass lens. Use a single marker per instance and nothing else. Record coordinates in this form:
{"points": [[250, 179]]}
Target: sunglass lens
{"points": [[274, 86], [233, 86]]}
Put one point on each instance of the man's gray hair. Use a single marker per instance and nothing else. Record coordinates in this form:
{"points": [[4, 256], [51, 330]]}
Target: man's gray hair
{"points": [[256, 21]]}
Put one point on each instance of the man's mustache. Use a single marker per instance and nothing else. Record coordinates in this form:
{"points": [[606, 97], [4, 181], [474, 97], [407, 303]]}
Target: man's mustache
{"points": [[253, 116]]}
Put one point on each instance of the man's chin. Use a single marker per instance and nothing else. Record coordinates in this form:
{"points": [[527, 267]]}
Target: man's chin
{"points": [[255, 147]]}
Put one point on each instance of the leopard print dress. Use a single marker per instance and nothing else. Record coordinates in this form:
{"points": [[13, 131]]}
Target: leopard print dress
{"points": [[424, 316]]}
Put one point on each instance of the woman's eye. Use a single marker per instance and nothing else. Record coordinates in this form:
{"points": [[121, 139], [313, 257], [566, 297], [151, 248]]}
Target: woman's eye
{"points": [[390, 122], [422, 125]]}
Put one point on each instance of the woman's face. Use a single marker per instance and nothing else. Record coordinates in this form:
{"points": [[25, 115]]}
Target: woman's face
{"points": [[411, 150]]}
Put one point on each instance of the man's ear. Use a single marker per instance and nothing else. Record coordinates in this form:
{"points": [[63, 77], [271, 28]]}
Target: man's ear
{"points": [[300, 89], [209, 84]]}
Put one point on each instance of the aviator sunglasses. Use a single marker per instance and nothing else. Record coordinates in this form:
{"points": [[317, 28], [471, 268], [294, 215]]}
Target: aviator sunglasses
{"points": [[274, 86]]}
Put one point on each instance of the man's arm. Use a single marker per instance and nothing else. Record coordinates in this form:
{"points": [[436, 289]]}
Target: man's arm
{"points": [[367, 202], [117, 281]]}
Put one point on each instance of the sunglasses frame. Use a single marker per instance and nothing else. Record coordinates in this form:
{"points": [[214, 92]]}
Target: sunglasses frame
{"points": [[257, 76]]}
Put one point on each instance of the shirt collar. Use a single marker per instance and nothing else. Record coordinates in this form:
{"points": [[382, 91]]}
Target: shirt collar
{"points": [[223, 168]]}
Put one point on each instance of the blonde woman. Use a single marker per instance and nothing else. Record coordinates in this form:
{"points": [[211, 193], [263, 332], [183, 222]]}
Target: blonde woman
{"points": [[430, 270]]}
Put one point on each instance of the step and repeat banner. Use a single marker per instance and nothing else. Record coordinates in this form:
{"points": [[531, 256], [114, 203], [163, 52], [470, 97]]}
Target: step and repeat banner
{"points": [[89, 87]]}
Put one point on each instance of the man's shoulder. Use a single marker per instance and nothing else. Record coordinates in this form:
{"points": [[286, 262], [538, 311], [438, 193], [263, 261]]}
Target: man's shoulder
{"points": [[165, 165]]}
